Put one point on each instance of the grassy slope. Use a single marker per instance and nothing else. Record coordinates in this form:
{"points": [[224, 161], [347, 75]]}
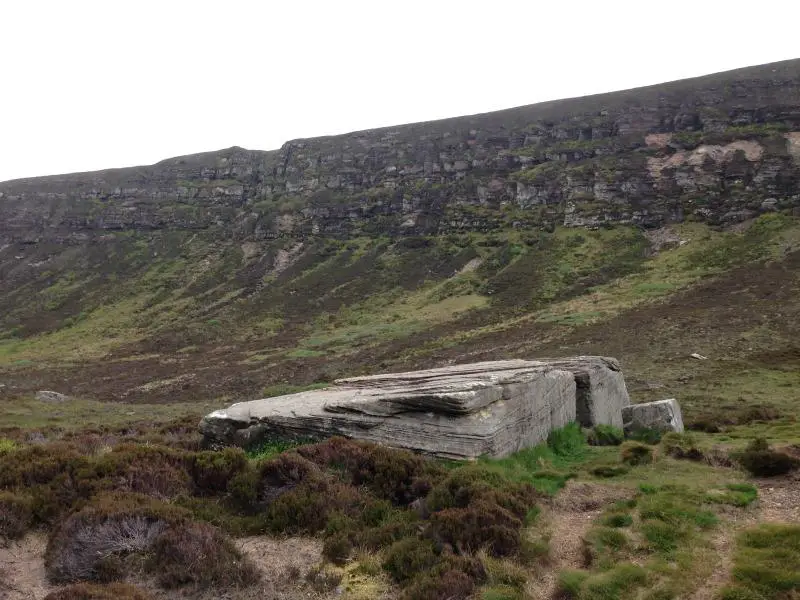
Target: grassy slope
{"points": [[178, 317]]}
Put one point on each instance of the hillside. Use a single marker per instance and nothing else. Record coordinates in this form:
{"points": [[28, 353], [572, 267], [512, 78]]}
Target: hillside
{"points": [[648, 225], [625, 224]]}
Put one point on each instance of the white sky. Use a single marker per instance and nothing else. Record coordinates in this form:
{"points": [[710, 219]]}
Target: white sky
{"points": [[88, 85]]}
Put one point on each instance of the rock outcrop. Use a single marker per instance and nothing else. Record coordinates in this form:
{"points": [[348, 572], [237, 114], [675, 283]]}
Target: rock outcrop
{"points": [[719, 149], [462, 411], [662, 415], [601, 393]]}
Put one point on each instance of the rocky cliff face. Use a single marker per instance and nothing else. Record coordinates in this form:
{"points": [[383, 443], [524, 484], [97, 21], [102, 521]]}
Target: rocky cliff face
{"points": [[719, 149]]}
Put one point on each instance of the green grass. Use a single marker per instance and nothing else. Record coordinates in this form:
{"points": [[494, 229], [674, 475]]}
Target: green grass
{"points": [[317, 312], [75, 414], [622, 581], [7, 445], [734, 494], [270, 449], [305, 353], [766, 563], [546, 466], [501, 592], [663, 471], [665, 528]]}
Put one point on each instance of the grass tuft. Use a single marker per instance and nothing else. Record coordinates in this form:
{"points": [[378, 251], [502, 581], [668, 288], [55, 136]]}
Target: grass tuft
{"points": [[766, 563]]}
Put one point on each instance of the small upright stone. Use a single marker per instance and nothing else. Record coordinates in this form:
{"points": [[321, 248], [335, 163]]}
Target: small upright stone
{"points": [[662, 415]]}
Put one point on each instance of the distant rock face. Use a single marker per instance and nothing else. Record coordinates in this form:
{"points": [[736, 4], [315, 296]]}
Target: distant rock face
{"points": [[662, 415], [713, 148], [462, 411]]}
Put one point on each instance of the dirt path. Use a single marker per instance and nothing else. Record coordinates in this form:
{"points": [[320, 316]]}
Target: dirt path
{"points": [[23, 566], [723, 545], [283, 564], [567, 520], [779, 500], [282, 561], [566, 549]]}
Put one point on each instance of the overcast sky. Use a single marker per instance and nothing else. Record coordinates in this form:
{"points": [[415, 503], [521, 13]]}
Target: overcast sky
{"points": [[88, 85]]}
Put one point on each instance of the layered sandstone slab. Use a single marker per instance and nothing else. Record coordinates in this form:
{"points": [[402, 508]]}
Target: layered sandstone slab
{"points": [[461, 411]]}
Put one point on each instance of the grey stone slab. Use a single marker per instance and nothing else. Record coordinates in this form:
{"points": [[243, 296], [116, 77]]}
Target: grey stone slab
{"points": [[460, 411], [662, 415]]}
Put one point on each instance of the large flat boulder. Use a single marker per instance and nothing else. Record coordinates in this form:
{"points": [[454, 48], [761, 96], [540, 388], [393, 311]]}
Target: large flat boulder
{"points": [[461, 411]]}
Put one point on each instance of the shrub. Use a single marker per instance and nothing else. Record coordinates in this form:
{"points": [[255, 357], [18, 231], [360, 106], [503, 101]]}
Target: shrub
{"points": [[375, 538], [603, 542], [623, 578], [293, 494], [337, 548], [504, 572], [471, 484], [646, 436], [608, 471], [450, 585], [212, 471], [408, 557], [50, 502], [16, 515], [605, 435], [199, 554], [635, 453], [244, 490], [481, 525], [157, 471], [340, 523], [324, 578], [759, 444], [472, 566], [534, 551], [761, 461], [570, 582], [681, 446], [373, 512], [306, 508], [706, 425], [90, 591], [618, 520], [38, 465], [280, 474], [395, 475], [219, 512], [89, 543]]}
